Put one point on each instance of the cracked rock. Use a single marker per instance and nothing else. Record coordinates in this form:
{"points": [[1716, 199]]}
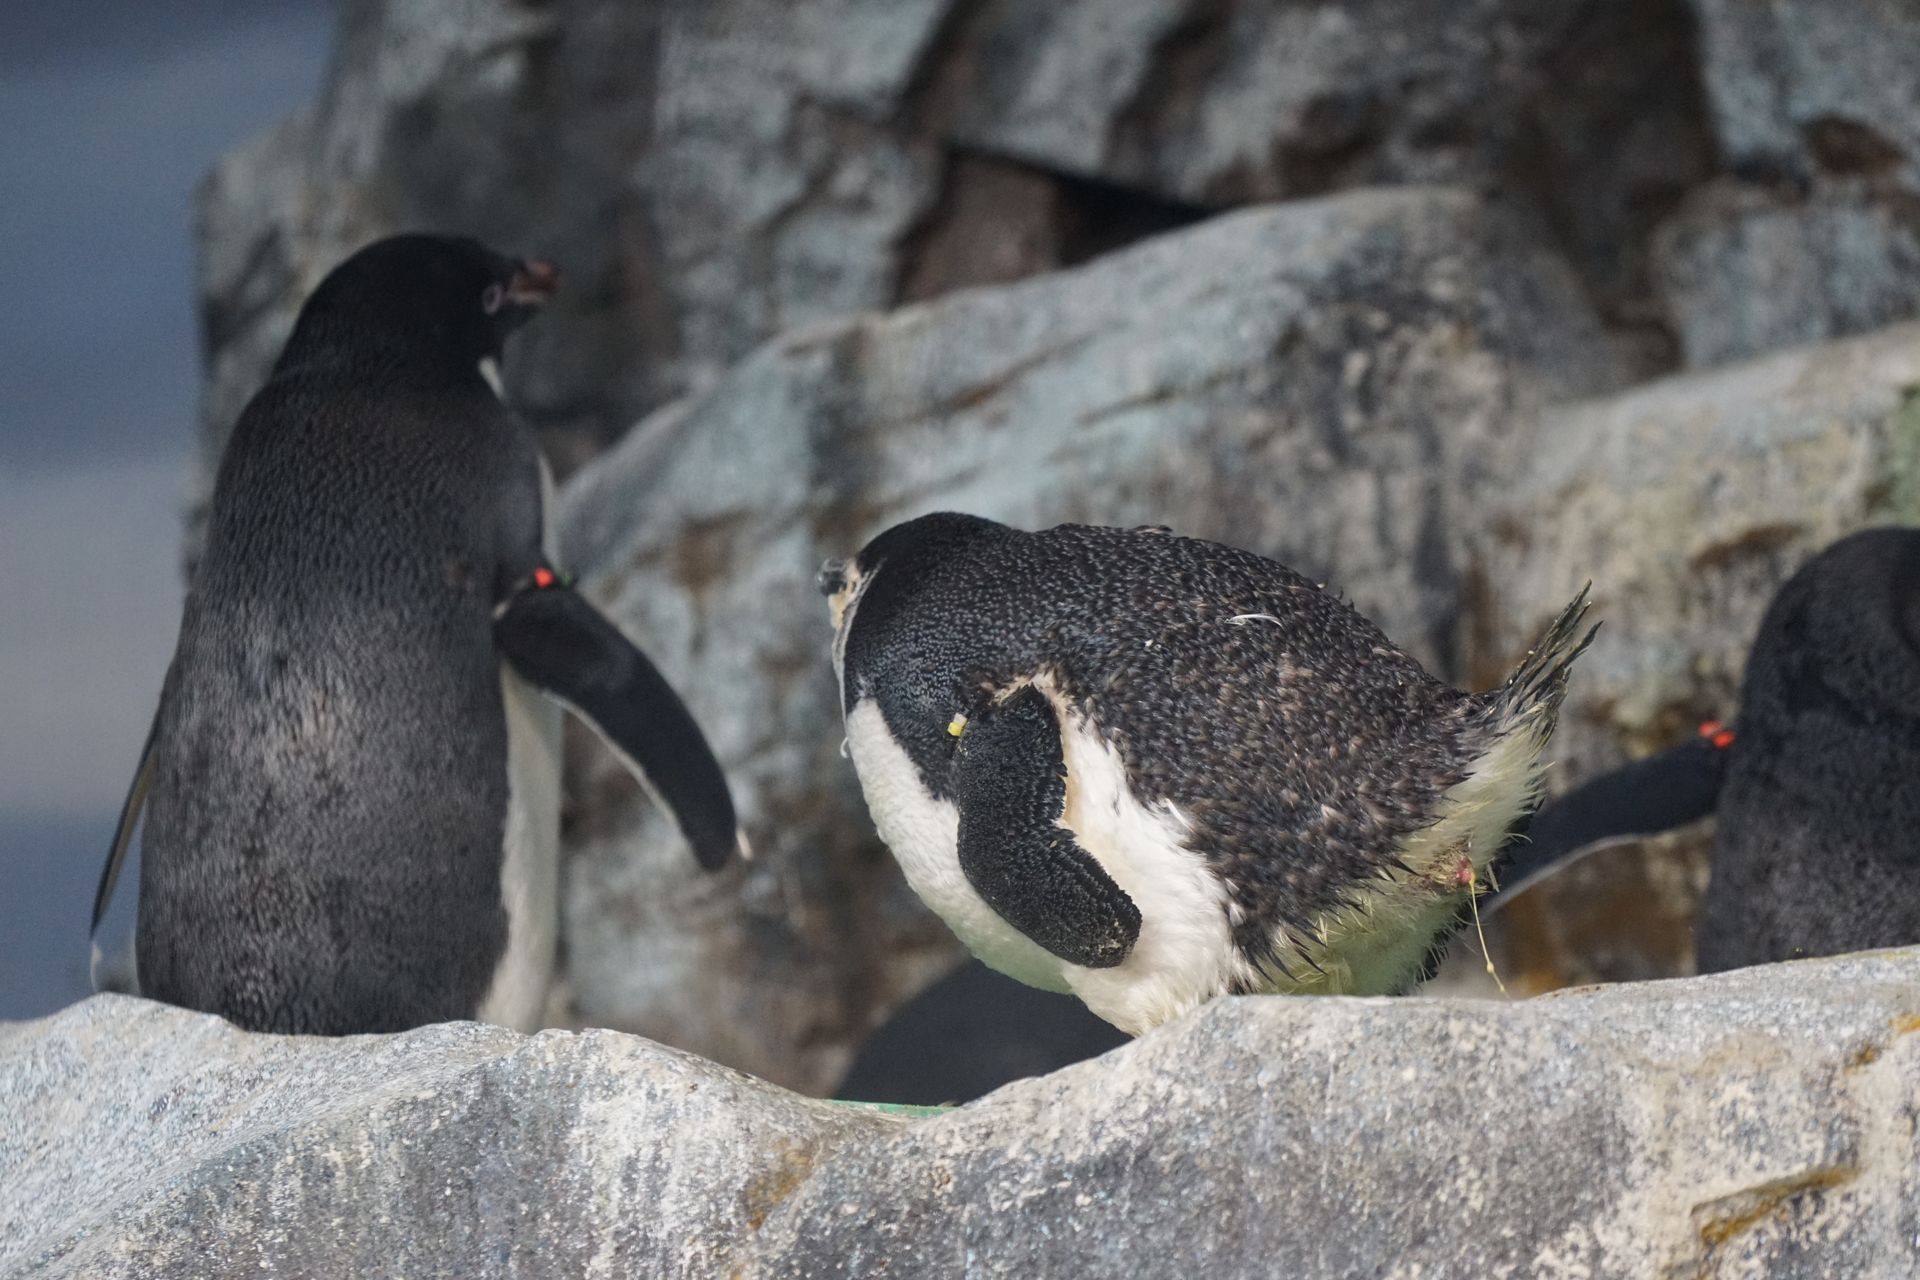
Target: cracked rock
{"points": [[1754, 1123]]}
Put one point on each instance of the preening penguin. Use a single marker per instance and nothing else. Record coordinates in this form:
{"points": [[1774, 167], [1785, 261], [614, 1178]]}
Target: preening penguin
{"points": [[351, 796], [1150, 769]]}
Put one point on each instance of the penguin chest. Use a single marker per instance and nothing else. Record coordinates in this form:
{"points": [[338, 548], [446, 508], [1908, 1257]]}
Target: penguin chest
{"points": [[530, 858], [1184, 953], [923, 832]]}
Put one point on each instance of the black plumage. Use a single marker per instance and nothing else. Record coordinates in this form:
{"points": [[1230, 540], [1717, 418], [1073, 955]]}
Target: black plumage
{"points": [[326, 782], [1818, 846], [1303, 747]]}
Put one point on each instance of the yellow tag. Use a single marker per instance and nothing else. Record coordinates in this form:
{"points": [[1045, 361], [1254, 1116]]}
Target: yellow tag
{"points": [[957, 726]]}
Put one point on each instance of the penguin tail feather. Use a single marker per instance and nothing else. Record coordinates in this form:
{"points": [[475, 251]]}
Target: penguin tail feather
{"points": [[1540, 681]]}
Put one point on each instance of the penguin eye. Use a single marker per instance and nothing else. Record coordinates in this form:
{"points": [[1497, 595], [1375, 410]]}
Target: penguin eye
{"points": [[494, 298]]}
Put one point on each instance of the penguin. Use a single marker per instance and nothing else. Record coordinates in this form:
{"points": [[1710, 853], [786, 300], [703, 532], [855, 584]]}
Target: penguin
{"points": [[1817, 848], [348, 801], [1149, 770]]}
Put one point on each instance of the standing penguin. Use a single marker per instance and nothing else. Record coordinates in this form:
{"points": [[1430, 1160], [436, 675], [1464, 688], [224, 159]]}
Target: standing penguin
{"points": [[351, 789], [1150, 770], [1817, 850]]}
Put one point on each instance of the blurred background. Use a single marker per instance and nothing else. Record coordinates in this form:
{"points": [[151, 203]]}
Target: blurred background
{"points": [[1451, 306]]}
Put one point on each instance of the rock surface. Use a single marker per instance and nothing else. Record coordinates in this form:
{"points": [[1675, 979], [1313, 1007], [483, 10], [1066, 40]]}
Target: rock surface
{"points": [[1816, 233], [1812, 85], [713, 174], [1335, 383], [1756, 1123], [1688, 501], [1747, 268]]}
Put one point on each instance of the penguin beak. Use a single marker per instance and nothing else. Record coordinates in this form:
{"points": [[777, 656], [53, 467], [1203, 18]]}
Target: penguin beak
{"points": [[832, 577], [534, 281]]}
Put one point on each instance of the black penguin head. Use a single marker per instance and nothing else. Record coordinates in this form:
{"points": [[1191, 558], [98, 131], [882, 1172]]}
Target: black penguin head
{"points": [[1843, 632], [906, 548], [449, 300], [881, 580]]}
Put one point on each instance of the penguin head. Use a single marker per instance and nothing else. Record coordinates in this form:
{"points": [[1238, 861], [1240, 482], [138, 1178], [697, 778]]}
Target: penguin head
{"points": [[445, 299], [873, 590], [1843, 632]]}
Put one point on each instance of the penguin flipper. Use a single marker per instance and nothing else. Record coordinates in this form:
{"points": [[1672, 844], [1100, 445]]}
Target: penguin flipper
{"points": [[1664, 791], [556, 640], [115, 970], [1009, 784]]}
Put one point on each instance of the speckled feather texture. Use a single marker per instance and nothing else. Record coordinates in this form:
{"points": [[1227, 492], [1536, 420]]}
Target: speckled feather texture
{"points": [[1330, 784]]}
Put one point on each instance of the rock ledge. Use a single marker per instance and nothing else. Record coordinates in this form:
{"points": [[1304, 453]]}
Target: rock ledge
{"points": [[1760, 1122]]}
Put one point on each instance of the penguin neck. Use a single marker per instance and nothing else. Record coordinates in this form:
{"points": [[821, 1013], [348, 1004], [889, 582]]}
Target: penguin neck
{"points": [[390, 354]]}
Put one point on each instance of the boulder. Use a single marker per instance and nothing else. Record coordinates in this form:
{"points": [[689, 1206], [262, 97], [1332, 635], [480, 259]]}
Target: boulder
{"points": [[1745, 268], [1760, 1122], [145, 1141], [1811, 86], [1816, 231], [1337, 383], [1688, 502], [713, 174]]}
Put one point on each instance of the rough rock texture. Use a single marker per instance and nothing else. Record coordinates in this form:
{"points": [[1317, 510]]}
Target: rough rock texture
{"points": [[1816, 104], [1336, 383], [1756, 1123], [712, 174], [1748, 268], [1590, 115], [1688, 502], [1811, 85], [145, 1142]]}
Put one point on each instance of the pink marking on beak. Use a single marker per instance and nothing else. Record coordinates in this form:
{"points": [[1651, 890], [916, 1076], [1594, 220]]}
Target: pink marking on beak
{"points": [[534, 281]]}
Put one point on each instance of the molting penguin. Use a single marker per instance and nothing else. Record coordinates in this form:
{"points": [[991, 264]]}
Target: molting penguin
{"points": [[1150, 770], [1817, 850], [351, 800]]}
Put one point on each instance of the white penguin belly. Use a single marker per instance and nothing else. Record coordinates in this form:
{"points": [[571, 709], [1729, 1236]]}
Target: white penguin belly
{"points": [[1184, 954], [530, 862], [924, 835], [530, 840]]}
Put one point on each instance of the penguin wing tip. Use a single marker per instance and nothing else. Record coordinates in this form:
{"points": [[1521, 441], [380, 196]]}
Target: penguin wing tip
{"points": [[742, 845]]}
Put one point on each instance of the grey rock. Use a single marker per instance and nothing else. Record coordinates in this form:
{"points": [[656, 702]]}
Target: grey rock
{"points": [[1816, 108], [148, 1142], [1231, 101], [1337, 383], [1755, 1123], [1763, 1125], [1688, 502], [1745, 269], [1810, 86], [1591, 115], [713, 174]]}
